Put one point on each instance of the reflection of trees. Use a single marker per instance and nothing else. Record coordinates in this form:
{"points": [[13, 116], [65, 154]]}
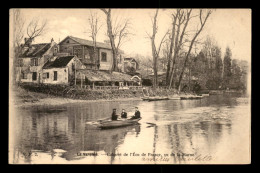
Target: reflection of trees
{"points": [[89, 138], [155, 138], [67, 130], [107, 140], [45, 133]]}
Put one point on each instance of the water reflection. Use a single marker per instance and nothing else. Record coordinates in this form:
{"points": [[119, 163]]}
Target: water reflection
{"points": [[176, 126]]}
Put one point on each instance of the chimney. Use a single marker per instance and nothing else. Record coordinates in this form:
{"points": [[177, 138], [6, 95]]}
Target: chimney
{"points": [[27, 42], [107, 41], [52, 42]]}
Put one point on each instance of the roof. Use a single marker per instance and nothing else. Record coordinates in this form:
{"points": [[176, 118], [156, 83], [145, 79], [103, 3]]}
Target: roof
{"points": [[158, 73], [36, 50], [95, 75], [130, 59], [58, 62], [88, 42]]}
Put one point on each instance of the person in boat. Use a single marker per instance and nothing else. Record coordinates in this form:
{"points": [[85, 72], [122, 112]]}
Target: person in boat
{"points": [[114, 115], [137, 114], [123, 114]]}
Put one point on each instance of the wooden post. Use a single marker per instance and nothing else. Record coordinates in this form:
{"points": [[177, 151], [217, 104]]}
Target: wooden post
{"points": [[75, 73], [83, 53], [81, 81], [93, 85]]}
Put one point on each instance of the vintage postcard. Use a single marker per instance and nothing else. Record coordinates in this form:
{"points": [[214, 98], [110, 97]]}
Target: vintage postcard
{"points": [[130, 86]]}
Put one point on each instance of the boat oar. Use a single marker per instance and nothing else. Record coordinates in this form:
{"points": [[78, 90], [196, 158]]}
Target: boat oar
{"points": [[151, 124]]}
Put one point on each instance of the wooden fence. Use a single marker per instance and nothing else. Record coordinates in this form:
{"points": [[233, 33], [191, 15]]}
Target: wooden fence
{"points": [[90, 87]]}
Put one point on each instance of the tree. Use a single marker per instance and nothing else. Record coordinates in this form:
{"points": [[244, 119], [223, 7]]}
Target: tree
{"points": [[93, 31], [155, 51], [227, 68], [202, 24], [199, 69], [236, 76], [34, 29], [215, 66], [18, 34], [183, 18], [119, 32]]}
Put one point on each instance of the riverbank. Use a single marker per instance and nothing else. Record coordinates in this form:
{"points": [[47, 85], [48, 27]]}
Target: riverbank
{"points": [[24, 98], [31, 95]]}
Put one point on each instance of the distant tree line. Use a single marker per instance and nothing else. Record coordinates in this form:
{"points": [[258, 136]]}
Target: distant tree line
{"points": [[212, 71]]}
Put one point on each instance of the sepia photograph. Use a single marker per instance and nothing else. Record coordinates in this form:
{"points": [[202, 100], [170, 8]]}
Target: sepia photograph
{"points": [[130, 86]]}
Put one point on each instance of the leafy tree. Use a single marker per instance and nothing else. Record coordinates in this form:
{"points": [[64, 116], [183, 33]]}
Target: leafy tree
{"points": [[227, 68]]}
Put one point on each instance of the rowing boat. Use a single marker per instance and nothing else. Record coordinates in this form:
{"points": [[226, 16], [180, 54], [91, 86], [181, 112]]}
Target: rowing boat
{"points": [[157, 98], [190, 97], [174, 98], [118, 123], [145, 98]]}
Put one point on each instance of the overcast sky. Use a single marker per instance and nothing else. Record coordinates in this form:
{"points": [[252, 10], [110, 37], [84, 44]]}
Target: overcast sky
{"points": [[229, 27]]}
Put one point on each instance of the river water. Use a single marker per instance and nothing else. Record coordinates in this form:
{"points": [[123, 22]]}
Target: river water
{"points": [[215, 129]]}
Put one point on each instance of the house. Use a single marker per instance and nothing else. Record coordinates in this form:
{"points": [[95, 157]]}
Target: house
{"points": [[130, 65], [61, 69], [32, 59], [84, 50]]}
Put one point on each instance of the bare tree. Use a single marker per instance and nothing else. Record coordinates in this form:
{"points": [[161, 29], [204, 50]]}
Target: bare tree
{"points": [[18, 28], [155, 51], [119, 33], [182, 19], [172, 38], [93, 31], [36, 28], [202, 24]]}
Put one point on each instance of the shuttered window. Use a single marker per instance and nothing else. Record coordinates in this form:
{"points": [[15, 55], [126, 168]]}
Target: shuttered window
{"points": [[55, 75], [45, 75], [34, 62]]}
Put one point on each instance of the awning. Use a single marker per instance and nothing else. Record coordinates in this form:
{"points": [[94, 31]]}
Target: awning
{"points": [[103, 76]]}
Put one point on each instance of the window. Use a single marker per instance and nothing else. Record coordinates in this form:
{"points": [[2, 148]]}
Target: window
{"points": [[46, 75], [34, 76], [20, 62], [55, 50], [34, 62], [55, 75], [24, 75], [78, 51], [103, 56]]}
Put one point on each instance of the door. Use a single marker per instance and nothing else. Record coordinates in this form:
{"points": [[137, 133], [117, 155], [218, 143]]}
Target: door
{"points": [[34, 76]]}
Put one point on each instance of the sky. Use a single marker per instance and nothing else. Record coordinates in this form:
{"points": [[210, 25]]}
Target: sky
{"points": [[229, 27]]}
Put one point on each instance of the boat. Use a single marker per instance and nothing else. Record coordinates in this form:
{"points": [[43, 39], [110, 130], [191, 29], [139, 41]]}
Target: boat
{"points": [[157, 98], [174, 98], [145, 98], [118, 123], [190, 97]]}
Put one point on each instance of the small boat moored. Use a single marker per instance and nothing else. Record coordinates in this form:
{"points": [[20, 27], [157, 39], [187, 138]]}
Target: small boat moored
{"points": [[157, 98], [174, 98], [190, 97]]}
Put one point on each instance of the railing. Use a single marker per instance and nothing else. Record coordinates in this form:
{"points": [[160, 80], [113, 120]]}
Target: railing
{"points": [[90, 87], [135, 87], [106, 87]]}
